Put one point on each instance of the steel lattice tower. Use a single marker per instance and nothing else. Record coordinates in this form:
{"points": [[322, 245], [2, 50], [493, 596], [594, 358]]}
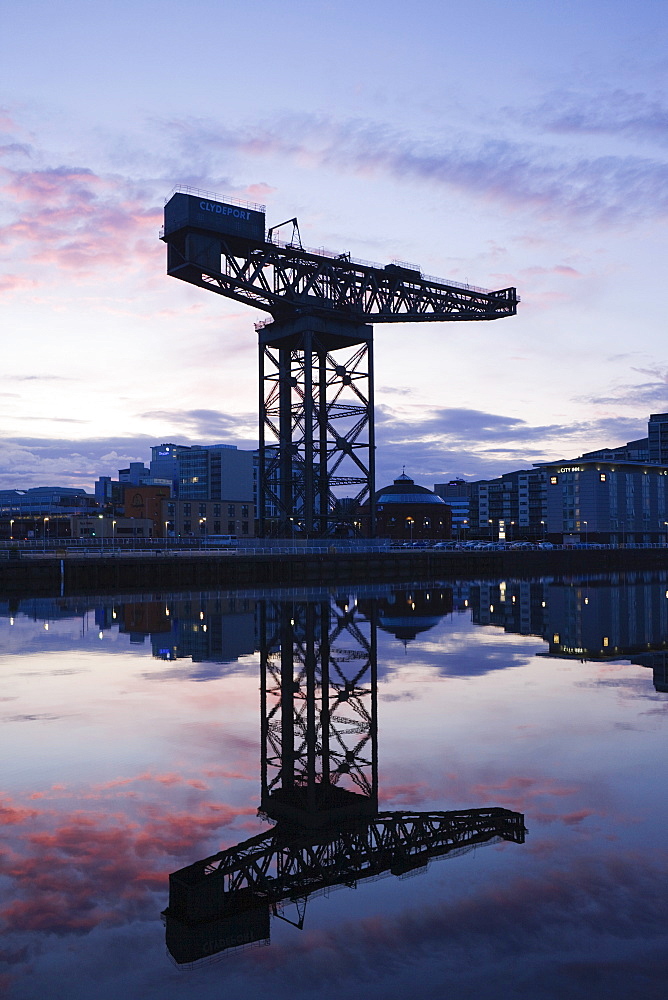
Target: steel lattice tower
{"points": [[316, 352]]}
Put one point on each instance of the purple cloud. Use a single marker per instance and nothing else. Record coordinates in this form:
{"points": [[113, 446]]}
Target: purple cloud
{"points": [[607, 188]]}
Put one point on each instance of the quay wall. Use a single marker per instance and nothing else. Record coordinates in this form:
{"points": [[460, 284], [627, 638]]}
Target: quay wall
{"points": [[54, 575]]}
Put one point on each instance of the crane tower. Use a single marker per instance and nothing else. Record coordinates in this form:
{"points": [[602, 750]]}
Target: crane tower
{"points": [[315, 349]]}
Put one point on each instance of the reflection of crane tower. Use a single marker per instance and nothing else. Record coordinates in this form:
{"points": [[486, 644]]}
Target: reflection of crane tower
{"points": [[319, 762], [316, 353], [319, 783]]}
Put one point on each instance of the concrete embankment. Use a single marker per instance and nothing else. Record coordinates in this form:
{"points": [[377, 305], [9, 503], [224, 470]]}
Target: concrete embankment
{"points": [[58, 574]]}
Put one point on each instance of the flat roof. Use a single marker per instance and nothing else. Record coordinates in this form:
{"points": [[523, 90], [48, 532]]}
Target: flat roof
{"points": [[570, 464]]}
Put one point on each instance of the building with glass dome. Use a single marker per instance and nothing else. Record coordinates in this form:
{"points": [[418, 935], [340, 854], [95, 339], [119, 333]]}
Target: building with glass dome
{"points": [[411, 512]]}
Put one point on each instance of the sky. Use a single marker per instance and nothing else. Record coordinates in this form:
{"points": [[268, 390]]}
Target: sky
{"points": [[517, 144]]}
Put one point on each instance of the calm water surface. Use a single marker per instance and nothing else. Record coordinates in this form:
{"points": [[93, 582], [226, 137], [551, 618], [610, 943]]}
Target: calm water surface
{"points": [[367, 761]]}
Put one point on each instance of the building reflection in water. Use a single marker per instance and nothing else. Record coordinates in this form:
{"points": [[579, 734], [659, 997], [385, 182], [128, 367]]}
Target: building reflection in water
{"points": [[621, 616], [607, 618], [319, 785]]}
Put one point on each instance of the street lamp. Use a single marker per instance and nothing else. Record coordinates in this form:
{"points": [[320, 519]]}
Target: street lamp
{"points": [[11, 528], [542, 530], [410, 522], [490, 522], [44, 531], [585, 524]]}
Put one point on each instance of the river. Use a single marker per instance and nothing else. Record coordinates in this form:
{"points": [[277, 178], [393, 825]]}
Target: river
{"points": [[446, 788]]}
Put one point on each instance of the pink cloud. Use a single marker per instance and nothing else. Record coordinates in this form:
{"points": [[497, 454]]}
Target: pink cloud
{"points": [[74, 871], [162, 779], [15, 283], [11, 814], [406, 794], [74, 219]]}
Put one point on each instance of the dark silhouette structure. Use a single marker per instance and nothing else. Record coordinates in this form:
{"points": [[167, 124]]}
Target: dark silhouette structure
{"points": [[316, 352], [319, 786]]}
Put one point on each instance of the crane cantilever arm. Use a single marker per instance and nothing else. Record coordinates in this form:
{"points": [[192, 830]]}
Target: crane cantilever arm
{"points": [[286, 281], [281, 864]]}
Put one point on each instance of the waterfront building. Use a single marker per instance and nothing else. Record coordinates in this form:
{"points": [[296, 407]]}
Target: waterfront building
{"points": [[657, 435], [611, 502], [215, 472], [165, 464], [45, 501], [43, 528], [201, 518], [510, 508], [456, 494], [632, 451], [148, 502], [411, 512]]}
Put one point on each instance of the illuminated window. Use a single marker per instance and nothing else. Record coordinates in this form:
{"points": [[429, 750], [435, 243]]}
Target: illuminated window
{"points": [[554, 480], [602, 477]]}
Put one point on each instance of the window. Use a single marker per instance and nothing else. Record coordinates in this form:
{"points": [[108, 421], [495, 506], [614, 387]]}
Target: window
{"points": [[230, 527], [602, 477], [244, 527], [231, 510], [216, 527], [202, 509], [554, 480], [216, 510], [244, 510], [186, 510], [187, 527]]}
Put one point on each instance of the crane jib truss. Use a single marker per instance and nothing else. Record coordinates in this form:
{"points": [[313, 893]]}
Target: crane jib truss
{"points": [[316, 353]]}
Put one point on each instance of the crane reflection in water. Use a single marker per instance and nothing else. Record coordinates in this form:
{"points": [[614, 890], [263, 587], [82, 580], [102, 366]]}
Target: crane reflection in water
{"points": [[319, 784]]}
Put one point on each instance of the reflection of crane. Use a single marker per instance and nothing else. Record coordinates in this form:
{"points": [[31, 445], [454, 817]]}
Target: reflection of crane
{"points": [[225, 901], [319, 785], [319, 732], [316, 367]]}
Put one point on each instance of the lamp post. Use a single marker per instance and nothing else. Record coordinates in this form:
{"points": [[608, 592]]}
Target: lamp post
{"points": [[113, 536], [585, 524], [542, 531], [491, 528], [46, 520], [11, 528], [512, 531], [410, 523]]}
